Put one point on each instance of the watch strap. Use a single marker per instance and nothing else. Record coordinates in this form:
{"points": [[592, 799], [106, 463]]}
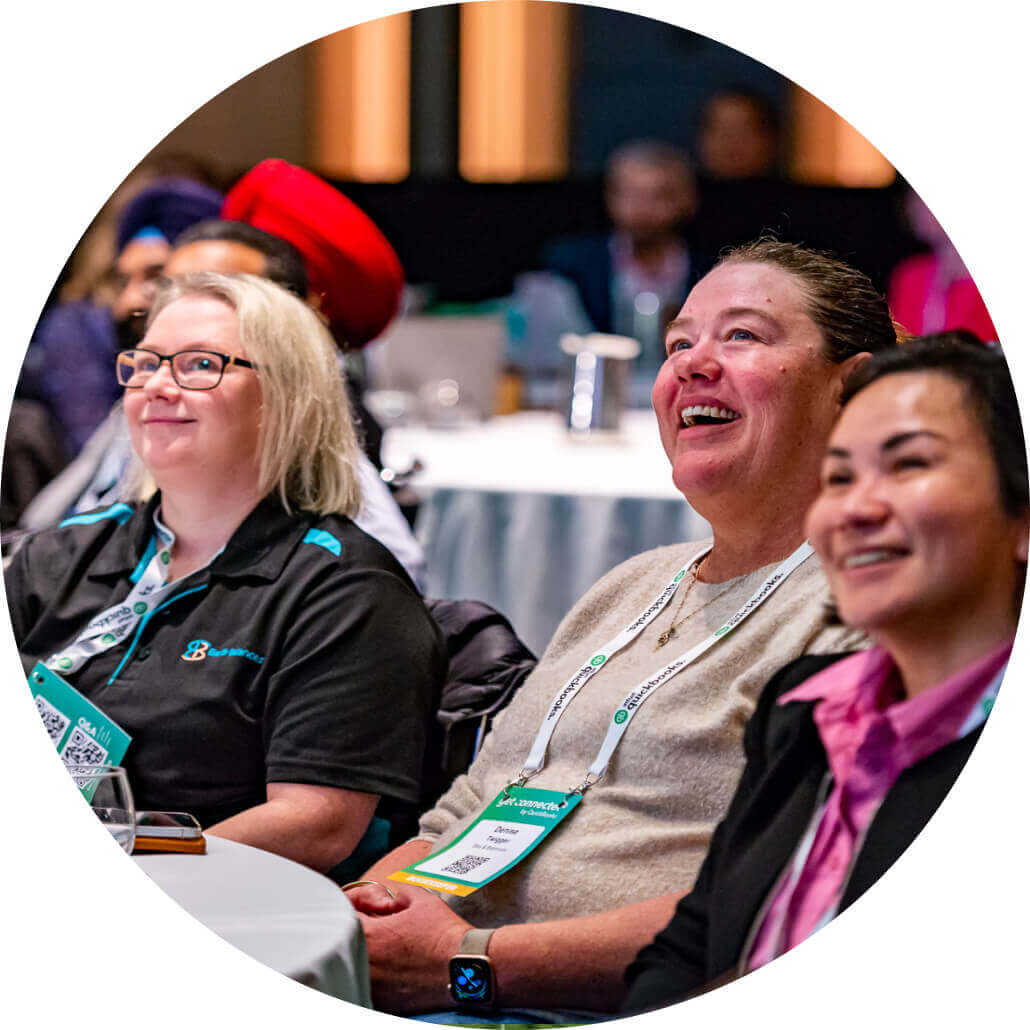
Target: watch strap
{"points": [[475, 942]]}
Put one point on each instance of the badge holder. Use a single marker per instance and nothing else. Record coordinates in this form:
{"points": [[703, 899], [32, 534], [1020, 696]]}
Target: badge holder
{"points": [[514, 824]]}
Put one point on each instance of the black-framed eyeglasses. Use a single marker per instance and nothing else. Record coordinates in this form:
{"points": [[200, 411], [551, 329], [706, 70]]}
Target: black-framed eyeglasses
{"points": [[191, 369]]}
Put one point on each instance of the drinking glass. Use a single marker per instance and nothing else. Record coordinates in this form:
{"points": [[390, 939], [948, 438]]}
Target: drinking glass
{"points": [[106, 788]]}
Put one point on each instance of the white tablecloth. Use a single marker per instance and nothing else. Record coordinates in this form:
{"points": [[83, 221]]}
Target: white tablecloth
{"points": [[278, 912], [517, 513]]}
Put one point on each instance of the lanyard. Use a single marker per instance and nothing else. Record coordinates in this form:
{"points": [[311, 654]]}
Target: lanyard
{"points": [[536, 759], [114, 624], [111, 626]]}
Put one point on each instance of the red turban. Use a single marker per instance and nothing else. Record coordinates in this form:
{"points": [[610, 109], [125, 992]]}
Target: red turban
{"points": [[351, 266]]}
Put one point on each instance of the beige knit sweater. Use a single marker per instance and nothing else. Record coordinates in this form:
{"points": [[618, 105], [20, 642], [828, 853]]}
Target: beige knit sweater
{"points": [[644, 829]]}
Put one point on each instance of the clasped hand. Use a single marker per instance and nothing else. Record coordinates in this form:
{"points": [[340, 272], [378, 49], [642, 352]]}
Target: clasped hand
{"points": [[410, 939]]}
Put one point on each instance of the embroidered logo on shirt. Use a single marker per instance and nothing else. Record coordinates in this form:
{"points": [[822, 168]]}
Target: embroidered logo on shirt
{"points": [[198, 650]]}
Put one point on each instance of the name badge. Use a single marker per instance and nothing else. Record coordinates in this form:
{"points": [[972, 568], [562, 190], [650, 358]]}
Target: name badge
{"points": [[510, 827]]}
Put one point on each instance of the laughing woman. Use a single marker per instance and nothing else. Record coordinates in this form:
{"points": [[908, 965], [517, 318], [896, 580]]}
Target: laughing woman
{"points": [[273, 665], [921, 525], [671, 648]]}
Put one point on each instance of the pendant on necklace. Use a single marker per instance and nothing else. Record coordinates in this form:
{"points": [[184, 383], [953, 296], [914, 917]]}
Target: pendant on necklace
{"points": [[664, 638]]}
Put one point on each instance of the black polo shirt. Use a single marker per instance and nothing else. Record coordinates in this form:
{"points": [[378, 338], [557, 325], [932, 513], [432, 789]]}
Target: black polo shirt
{"points": [[301, 654]]}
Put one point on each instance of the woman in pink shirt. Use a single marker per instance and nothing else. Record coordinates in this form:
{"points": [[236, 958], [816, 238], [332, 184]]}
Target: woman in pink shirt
{"points": [[921, 525]]}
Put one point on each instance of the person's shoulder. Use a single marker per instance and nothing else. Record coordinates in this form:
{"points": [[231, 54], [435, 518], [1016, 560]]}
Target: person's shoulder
{"points": [[339, 536], [74, 538], [796, 672], [339, 541], [808, 583], [102, 521], [77, 316], [648, 570], [568, 251], [810, 600], [773, 723]]}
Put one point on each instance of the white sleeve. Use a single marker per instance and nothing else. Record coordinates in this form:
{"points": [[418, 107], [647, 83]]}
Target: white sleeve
{"points": [[381, 518]]}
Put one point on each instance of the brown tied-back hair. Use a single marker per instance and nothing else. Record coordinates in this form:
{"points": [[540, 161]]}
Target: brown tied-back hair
{"points": [[842, 301]]}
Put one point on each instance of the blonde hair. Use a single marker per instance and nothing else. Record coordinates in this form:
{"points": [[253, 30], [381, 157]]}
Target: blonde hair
{"points": [[307, 448]]}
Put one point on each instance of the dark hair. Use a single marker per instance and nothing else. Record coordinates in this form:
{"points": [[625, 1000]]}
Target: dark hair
{"points": [[283, 262], [842, 301], [984, 375]]}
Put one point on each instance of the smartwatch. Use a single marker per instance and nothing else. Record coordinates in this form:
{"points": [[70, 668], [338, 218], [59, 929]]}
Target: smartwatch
{"points": [[471, 974]]}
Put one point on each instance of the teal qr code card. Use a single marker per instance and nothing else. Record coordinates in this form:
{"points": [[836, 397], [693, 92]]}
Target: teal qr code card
{"points": [[81, 732]]}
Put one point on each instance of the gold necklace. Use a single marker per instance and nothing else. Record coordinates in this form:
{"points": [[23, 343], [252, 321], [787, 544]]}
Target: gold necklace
{"points": [[666, 635]]}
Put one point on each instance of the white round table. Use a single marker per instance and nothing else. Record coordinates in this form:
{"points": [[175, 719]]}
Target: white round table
{"points": [[278, 912], [519, 514]]}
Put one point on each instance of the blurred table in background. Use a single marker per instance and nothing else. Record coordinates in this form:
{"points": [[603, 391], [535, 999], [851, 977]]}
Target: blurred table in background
{"points": [[518, 514]]}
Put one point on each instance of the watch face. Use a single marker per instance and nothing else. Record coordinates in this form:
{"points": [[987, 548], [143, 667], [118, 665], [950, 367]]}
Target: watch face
{"points": [[472, 980]]}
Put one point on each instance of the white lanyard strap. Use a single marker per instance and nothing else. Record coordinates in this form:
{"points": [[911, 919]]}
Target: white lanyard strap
{"points": [[538, 752], [114, 624], [636, 697], [642, 691]]}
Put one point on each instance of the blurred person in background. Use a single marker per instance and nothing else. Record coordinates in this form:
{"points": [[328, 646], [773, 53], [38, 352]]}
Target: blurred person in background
{"points": [[33, 455], [738, 137], [65, 391], [741, 191], [632, 281], [921, 525], [273, 664], [88, 273], [68, 364], [933, 292]]}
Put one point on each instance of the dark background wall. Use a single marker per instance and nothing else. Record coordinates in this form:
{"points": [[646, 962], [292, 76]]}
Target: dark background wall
{"points": [[631, 77], [635, 77]]}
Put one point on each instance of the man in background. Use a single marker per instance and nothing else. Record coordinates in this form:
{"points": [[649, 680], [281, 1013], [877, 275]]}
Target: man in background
{"points": [[738, 137], [632, 281], [68, 364]]}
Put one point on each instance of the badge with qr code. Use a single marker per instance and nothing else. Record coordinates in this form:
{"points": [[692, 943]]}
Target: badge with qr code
{"points": [[511, 826], [81, 732]]}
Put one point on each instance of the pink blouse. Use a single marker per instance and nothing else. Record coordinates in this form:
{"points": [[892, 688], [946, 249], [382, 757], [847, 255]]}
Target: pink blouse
{"points": [[871, 734]]}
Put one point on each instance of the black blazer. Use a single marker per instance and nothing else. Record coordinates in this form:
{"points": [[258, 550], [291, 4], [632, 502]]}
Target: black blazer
{"points": [[767, 817]]}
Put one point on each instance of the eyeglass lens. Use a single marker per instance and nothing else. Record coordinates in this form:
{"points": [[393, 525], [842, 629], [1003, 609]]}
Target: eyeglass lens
{"points": [[191, 369]]}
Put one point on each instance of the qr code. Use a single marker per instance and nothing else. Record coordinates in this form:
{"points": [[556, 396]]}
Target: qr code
{"points": [[465, 864], [82, 749], [55, 722]]}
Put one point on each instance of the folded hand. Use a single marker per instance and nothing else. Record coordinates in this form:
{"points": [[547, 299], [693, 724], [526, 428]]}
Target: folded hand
{"points": [[410, 943]]}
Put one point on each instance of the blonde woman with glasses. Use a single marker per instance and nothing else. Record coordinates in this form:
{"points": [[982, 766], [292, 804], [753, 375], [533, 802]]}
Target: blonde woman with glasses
{"points": [[273, 664]]}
